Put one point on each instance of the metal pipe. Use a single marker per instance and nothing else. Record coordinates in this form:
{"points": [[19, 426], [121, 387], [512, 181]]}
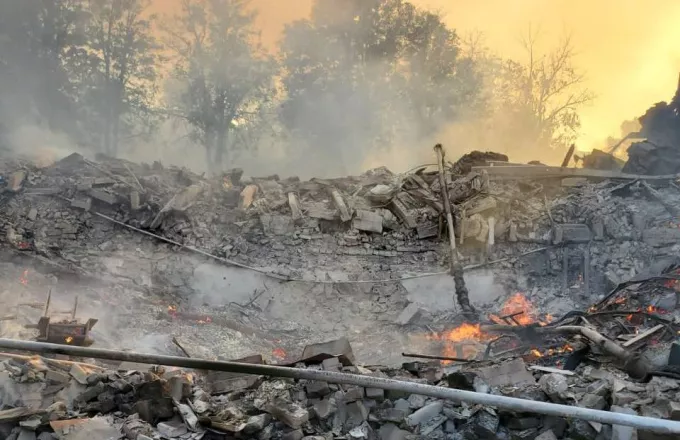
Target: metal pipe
{"points": [[509, 403]]}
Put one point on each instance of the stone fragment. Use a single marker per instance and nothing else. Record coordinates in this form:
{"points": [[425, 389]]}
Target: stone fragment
{"points": [[547, 435], [32, 214], [276, 224], [410, 314], [26, 434], [393, 415], [152, 410], [362, 432], [674, 409], [555, 386], [296, 434], [84, 204], [375, 394], [338, 347], [356, 414], [522, 423], [581, 430], [416, 401], [134, 200], [353, 393], [257, 423], [289, 413], [55, 376], [317, 388], [79, 374], [331, 364], [390, 431], [368, 221], [620, 432], [323, 409], [425, 414], [513, 373], [593, 401], [172, 428], [102, 196], [188, 416], [179, 388]]}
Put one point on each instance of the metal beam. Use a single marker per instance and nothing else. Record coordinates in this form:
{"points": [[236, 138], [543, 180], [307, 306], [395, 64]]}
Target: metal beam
{"points": [[659, 426]]}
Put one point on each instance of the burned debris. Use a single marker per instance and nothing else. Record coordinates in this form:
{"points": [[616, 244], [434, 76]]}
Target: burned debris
{"points": [[494, 280]]}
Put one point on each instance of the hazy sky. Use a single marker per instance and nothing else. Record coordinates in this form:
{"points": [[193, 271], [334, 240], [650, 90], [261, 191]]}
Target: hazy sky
{"points": [[629, 49]]}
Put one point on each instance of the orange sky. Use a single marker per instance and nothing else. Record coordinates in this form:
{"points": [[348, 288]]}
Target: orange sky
{"points": [[629, 49]]}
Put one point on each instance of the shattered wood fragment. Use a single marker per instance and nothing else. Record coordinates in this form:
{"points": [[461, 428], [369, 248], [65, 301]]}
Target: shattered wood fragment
{"points": [[643, 336], [294, 205], [339, 202], [247, 196], [16, 181], [400, 210], [426, 197], [479, 205]]}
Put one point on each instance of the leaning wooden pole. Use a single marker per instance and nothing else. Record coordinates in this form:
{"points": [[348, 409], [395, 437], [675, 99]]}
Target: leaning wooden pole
{"points": [[455, 267]]}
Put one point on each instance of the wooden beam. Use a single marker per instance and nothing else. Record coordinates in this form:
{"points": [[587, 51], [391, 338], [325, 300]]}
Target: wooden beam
{"points": [[545, 172]]}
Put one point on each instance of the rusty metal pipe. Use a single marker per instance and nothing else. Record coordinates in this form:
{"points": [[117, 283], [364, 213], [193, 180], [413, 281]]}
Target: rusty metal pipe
{"points": [[509, 403]]}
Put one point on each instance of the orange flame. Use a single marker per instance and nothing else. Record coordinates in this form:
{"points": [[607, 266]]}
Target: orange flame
{"points": [[68, 339], [172, 311]]}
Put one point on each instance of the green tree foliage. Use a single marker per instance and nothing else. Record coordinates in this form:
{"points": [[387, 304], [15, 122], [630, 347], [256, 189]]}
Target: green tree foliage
{"points": [[365, 74], [223, 78]]}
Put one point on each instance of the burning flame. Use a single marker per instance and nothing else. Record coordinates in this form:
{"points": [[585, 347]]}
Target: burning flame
{"points": [[68, 339], [462, 341], [205, 320], [23, 279], [566, 348], [172, 311], [279, 353]]}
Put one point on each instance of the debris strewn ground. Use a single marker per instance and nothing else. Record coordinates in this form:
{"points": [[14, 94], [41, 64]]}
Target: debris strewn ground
{"points": [[572, 273]]}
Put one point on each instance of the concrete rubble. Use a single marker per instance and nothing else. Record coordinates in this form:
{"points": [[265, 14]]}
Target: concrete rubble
{"points": [[581, 307], [46, 399]]}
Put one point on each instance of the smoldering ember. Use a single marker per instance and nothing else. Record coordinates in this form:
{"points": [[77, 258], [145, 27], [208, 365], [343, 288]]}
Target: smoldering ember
{"points": [[476, 275]]}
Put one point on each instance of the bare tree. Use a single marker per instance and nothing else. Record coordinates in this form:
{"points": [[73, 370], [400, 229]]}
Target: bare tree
{"points": [[124, 55], [222, 72], [543, 93]]}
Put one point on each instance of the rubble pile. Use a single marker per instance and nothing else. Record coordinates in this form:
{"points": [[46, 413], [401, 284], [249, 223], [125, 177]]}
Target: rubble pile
{"points": [[45, 399]]}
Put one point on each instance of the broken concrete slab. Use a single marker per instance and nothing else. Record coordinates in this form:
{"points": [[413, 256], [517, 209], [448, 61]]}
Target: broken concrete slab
{"points": [[571, 233], [84, 204], [512, 372], [368, 221], [276, 224], [409, 315], [102, 196], [340, 348]]}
